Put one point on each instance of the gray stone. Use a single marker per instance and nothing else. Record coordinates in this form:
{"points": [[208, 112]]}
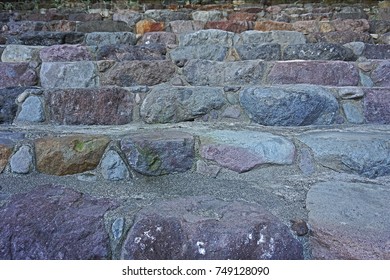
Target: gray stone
{"points": [[365, 80], [366, 154], [138, 72], [166, 104], [212, 73], [208, 15], [232, 112], [8, 106], [356, 47], [349, 221], [306, 162], [167, 15], [253, 37], [339, 37], [377, 51], [20, 53], [207, 169], [32, 110], [269, 51], [22, 161], [381, 74], [113, 167], [350, 92], [159, 153], [379, 26], [54, 223], [110, 38], [204, 228], [207, 37], [92, 26], [350, 12], [353, 112], [186, 26], [289, 105], [242, 151], [377, 105], [126, 52], [117, 228], [80, 74], [45, 38], [318, 51], [163, 38], [335, 73], [65, 52], [127, 16], [384, 38], [208, 52]]}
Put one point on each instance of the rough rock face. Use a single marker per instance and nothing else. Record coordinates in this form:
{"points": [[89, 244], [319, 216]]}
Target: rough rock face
{"points": [[349, 221], [126, 52], [208, 228], [90, 106], [177, 104], [13, 74], [110, 38], [71, 154], [159, 153], [8, 106], [290, 105], [319, 51], [377, 105], [53, 222], [65, 53]]}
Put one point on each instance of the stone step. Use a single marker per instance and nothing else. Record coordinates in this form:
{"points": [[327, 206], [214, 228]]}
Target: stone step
{"points": [[130, 152]]}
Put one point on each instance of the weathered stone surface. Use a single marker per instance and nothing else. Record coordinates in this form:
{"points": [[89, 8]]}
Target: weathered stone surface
{"points": [[242, 16], [377, 51], [360, 25], [53, 222], [227, 25], [208, 52], [279, 37], [126, 52], [65, 52], [339, 37], [160, 152], [167, 15], [377, 105], [379, 26], [207, 169], [85, 17], [290, 105], [349, 221], [128, 16], [242, 151], [318, 51], [351, 12], [163, 38], [197, 72], [146, 25], [269, 51], [356, 47], [208, 228], [350, 92], [113, 167], [208, 15], [176, 104], [7, 142], [13, 74], [272, 25], [367, 154], [207, 37], [186, 26], [95, 106], [8, 106], [336, 73], [110, 38], [381, 74], [32, 110], [133, 73], [353, 112], [5, 153], [71, 154], [46, 38], [103, 26], [308, 26], [20, 53], [61, 25], [22, 161], [77, 74]]}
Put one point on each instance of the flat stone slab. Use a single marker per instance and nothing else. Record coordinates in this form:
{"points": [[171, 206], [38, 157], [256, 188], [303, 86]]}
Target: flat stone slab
{"points": [[377, 105], [242, 151], [349, 221], [295, 105], [366, 154], [65, 52], [54, 223], [204, 228], [159, 153]]}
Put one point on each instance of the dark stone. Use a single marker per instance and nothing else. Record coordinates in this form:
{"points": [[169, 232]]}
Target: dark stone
{"points": [[127, 52], [339, 37], [162, 37], [8, 106], [17, 74], [377, 105], [381, 74], [100, 106], [167, 15], [103, 26], [138, 72], [53, 222], [376, 51], [299, 227], [262, 51], [85, 17], [318, 51], [159, 153], [206, 228], [44, 38], [331, 73], [379, 26], [290, 106]]}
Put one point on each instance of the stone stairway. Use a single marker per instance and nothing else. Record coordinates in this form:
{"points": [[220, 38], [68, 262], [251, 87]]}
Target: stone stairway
{"points": [[197, 133]]}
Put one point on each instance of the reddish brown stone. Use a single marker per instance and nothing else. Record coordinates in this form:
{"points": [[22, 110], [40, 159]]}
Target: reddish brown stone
{"points": [[272, 25], [5, 153], [360, 25], [65, 53], [232, 26], [306, 27], [17, 74], [242, 16], [377, 105], [101, 106], [146, 25]]}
